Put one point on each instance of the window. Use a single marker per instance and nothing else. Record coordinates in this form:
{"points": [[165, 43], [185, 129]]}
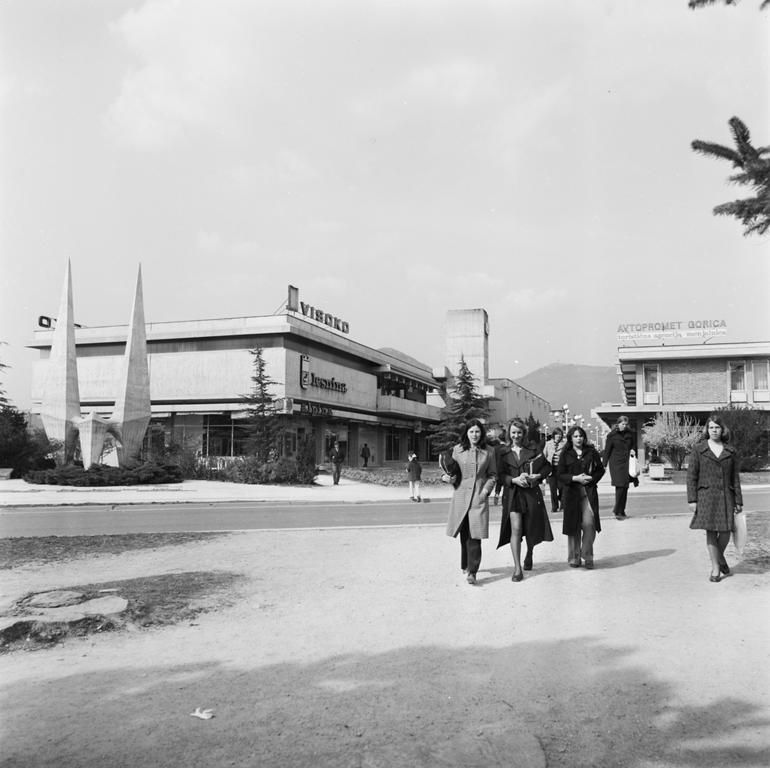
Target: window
{"points": [[392, 446], [651, 384], [737, 372], [761, 370]]}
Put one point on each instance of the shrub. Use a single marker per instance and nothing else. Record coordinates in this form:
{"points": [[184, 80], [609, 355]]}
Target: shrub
{"points": [[748, 434], [100, 475]]}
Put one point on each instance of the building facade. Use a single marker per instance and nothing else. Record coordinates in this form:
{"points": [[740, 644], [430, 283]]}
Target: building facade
{"points": [[691, 379], [328, 385]]}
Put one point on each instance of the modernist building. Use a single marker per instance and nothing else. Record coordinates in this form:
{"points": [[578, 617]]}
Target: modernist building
{"points": [[467, 337], [692, 379], [328, 384]]}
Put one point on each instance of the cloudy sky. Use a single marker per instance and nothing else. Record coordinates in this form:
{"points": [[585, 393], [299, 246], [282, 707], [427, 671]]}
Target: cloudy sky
{"points": [[393, 159]]}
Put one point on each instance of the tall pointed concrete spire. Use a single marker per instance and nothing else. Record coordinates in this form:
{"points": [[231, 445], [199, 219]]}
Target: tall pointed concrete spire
{"points": [[132, 405], [61, 397]]}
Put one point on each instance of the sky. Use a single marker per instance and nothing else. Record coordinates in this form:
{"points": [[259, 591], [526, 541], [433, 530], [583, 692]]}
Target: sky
{"points": [[393, 160]]}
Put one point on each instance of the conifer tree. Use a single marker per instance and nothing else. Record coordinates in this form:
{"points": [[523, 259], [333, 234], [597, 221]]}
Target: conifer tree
{"points": [[754, 172], [464, 403], [264, 425]]}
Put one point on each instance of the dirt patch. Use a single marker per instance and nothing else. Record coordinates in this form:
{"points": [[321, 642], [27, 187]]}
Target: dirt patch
{"points": [[153, 601], [27, 550]]}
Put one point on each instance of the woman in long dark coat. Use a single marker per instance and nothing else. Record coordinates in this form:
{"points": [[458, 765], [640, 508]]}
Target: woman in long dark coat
{"points": [[617, 451], [714, 492], [469, 507], [520, 470], [580, 469]]}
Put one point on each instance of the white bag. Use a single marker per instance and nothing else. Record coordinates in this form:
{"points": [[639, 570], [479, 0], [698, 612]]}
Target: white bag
{"points": [[740, 532], [633, 465]]}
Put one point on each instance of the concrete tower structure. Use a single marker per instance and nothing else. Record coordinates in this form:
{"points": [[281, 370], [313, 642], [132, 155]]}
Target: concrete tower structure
{"points": [[467, 336], [132, 406], [60, 409]]}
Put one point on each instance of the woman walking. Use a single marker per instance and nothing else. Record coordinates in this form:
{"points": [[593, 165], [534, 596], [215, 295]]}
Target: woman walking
{"points": [[469, 507], [580, 469], [520, 470], [714, 492], [617, 451]]}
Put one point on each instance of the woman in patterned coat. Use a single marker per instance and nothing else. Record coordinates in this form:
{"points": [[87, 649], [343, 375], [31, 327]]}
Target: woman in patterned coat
{"points": [[469, 507], [520, 470], [714, 492]]}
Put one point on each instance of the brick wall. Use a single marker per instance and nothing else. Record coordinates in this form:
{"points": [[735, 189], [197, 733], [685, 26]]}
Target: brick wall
{"points": [[694, 381]]}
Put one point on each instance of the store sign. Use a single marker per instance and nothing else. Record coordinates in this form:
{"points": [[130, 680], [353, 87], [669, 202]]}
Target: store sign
{"points": [[672, 329], [293, 304], [308, 379], [313, 409]]}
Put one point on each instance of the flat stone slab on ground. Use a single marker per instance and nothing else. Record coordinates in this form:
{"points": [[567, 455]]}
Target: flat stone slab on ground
{"points": [[99, 606], [54, 599]]}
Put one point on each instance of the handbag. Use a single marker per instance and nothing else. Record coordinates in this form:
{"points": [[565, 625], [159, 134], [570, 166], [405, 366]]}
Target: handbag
{"points": [[740, 532], [633, 465]]}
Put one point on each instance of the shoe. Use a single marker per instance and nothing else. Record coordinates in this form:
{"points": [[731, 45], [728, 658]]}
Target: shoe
{"points": [[724, 569], [517, 576], [635, 481], [471, 578], [528, 562], [574, 564], [589, 564], [621, 517], [716, 578], [418, 499]]}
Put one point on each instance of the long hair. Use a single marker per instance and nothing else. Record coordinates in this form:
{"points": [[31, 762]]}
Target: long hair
{"points": [[717, 418], [619, 420], [516, 422], [465, 443], [571, 432]]}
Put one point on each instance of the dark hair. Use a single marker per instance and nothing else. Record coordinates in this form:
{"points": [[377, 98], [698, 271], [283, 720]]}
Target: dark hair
{"points": [[559, 430], [465, 443], [717, 419], [572, 431], [516, 422]]}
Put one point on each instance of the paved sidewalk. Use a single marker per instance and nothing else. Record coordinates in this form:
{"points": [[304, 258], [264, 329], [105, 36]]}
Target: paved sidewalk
{"points": [[19, 493]]}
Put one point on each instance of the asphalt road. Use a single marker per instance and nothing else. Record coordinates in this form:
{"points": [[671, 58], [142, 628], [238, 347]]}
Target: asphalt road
{"points": [[236, 516]]}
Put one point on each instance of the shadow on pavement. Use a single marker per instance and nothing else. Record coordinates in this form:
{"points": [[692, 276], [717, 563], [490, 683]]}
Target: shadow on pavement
{"points": [[569, 703]]}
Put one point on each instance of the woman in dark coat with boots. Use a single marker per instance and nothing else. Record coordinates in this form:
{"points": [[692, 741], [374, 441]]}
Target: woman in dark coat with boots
{"points": [[580, 469], [714, 492], [617, 450], [520, 470]]}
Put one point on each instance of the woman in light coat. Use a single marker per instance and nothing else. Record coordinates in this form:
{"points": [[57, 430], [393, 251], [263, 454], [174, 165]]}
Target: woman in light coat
{"points": [[714, 492], [469, 507]]}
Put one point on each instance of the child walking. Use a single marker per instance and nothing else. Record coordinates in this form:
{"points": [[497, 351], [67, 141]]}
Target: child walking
{"points": [[414, 473]]}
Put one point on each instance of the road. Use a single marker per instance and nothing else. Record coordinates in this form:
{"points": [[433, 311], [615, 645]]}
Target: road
{"points": [[235, 516]]}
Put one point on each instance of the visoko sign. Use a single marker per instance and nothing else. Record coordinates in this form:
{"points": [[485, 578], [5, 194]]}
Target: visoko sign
{"points": [[293, 304]]}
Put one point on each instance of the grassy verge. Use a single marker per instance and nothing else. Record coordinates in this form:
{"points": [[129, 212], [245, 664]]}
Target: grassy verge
{"points": [[153, 601], [55, 549]]}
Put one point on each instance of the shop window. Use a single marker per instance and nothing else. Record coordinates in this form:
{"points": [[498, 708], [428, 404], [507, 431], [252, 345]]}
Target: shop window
{"points": [[651, 384], [761, 371], [737, 373], [392, 446]]}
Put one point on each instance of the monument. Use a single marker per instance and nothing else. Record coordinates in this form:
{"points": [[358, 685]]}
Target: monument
{"points": [[61, 415]]}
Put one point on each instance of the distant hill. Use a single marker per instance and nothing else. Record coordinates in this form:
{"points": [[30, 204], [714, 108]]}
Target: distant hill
{"points": [[582, 386]]}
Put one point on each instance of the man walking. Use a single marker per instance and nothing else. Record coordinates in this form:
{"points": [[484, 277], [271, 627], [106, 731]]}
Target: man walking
{"points": [[365, 454], [337, 456]]}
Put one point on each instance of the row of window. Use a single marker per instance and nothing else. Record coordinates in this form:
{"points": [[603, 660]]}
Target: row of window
{"points": [[743, 377]]}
